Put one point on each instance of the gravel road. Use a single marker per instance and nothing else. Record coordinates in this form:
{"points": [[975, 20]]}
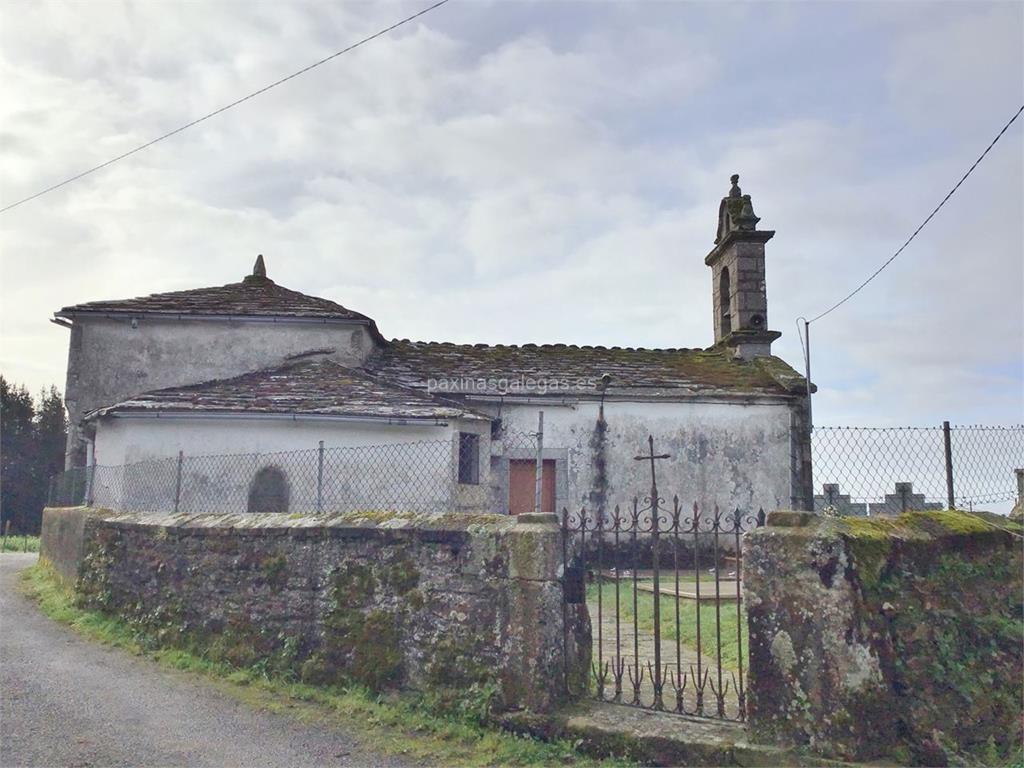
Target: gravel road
{"points": [[67, 702]]}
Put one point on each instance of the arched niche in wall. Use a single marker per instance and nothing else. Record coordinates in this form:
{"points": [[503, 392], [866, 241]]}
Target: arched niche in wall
{"points": [[268, 491]]}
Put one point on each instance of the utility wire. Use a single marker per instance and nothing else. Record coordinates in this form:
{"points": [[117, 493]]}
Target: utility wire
{"points": [[226, 107], [930, 215]]}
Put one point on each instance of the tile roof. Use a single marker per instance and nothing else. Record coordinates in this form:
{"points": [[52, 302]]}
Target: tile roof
{"points": [[320, 387], [255, 296], [575, 370]]}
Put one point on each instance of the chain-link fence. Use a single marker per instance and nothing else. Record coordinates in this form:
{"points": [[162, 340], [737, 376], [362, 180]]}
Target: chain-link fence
{"points": [[886, 470], [419, 476], [466, 473], [857, 471]]}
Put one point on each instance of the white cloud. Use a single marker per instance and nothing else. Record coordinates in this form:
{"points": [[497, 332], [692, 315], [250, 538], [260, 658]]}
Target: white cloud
{"points": [[492, 175]]}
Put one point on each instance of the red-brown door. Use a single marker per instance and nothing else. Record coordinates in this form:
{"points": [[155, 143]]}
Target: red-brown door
{"points": [[522, 486]]}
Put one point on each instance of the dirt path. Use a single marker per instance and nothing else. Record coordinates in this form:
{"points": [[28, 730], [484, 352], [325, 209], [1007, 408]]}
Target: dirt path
{"points": [[67, 702]]}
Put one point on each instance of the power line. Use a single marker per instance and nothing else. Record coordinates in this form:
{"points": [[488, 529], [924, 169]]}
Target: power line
{"points": [[930, 215], [226, 107]]}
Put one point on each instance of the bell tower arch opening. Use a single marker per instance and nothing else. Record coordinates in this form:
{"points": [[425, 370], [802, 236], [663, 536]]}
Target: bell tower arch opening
{"points": [[724, 303]]}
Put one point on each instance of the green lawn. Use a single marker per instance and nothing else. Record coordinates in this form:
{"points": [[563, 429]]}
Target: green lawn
{"points": [[687, 620], [14, 543]]}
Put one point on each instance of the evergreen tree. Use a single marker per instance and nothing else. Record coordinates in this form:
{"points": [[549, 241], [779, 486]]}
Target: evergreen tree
{"points": [[16, 454], [51, 434], [32, 438]]}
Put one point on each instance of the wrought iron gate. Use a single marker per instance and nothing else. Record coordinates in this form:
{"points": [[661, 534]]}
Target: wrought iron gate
{"points": [[663, 586]]}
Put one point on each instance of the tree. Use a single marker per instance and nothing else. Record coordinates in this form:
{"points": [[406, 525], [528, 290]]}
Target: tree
{"points": [[51, 435], [16, 433], [31, 451]]}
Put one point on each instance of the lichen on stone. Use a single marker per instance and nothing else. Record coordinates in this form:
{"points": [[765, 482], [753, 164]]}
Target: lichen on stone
{"points": [[783, 652]]}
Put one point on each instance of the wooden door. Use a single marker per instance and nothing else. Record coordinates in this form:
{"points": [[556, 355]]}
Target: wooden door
{"points": [[522, 486]]}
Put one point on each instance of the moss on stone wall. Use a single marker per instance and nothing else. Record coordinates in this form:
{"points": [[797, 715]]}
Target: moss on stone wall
{"points": [[401, 576], [275, 570], [930, 523], [956, 632], [906, 636], [361, 641], [455, 664], [384, 599]]}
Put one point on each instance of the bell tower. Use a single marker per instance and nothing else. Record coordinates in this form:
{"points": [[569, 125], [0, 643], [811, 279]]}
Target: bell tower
{"points": [[740, 301]]}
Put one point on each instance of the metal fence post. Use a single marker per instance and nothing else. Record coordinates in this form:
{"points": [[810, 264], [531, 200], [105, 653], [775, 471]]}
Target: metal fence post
{"points": [[950, 498], [539, 489], [90, 482], [49, 492], [177, 482], [320, 477]]}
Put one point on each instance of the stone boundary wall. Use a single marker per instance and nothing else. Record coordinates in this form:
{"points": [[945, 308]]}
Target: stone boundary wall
{"points": [[432, 603], [898, 636], [61, 540]]}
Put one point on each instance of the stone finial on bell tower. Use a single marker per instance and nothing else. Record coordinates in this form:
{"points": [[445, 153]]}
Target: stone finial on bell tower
{"points": [[740, 301]]}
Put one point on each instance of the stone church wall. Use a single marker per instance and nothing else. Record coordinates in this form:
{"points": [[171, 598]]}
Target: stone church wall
{"points": [[391, 601], [110, 359]]}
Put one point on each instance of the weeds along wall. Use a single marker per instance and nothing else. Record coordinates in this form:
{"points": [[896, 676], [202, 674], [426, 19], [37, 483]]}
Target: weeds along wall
{"points": [[893, 636], [450, 604]]}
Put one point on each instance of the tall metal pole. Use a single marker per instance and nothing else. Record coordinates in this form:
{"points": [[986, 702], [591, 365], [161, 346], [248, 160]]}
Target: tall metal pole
{"points": [[539, 488], [950, 497], [808, 486], [807, 371]]}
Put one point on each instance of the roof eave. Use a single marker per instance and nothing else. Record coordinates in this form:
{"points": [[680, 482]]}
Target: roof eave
{"points": [[654, 395], [117, 314], [184, 413]]}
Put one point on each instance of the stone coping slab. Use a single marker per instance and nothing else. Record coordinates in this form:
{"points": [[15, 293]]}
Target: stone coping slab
{"points": [[370, 520], [603, 729]]}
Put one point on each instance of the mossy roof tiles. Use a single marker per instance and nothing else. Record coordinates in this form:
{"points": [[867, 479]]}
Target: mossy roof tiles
{"points": [[488, 370], [314, 387], [254, 296]]}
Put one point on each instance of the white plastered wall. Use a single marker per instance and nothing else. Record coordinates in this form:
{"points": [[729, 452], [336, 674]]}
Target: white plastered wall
{"points": [[367, 465], [733, 454]]}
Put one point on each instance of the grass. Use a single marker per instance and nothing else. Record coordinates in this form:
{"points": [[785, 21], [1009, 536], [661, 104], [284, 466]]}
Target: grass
{"points": [[687, 620], [17, 543], [396, 725]]}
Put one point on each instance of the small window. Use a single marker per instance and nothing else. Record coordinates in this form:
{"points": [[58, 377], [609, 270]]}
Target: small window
{"points": [[269, 491], [469, 458]]}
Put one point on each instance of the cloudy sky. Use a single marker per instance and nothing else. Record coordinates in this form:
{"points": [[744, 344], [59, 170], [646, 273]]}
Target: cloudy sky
{"points": [[537, 172]]}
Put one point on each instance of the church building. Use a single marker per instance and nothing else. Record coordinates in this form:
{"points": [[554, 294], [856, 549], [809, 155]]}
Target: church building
{"points": [[255, 368]]}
